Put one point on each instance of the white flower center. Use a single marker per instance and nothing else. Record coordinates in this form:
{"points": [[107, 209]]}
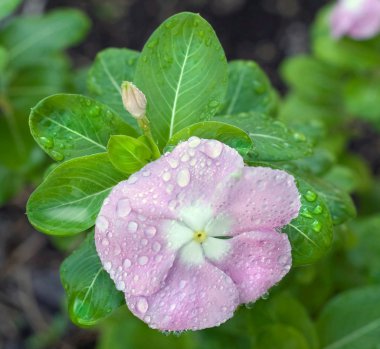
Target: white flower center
{"points": [[198, 234]]}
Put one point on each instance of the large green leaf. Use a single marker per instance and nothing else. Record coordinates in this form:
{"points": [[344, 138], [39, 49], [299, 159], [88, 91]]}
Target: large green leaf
{"points": [[91, 293], [128, 154], [228, 134], [69, 199], [7, 7], [183, 72], [29, 38], [249, 89], [111, 67], [272, 140], [281, 337], [311, 233], [351, 320], [68, 126]]}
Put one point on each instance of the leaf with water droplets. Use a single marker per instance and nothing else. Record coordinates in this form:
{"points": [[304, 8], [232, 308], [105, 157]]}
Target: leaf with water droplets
{"points": [[249, 89], [272, 140], [181, 74], [128, 154], [311, 233], [112, 66], [228, 134], [91, 294], [69, 199], [69, 126]]}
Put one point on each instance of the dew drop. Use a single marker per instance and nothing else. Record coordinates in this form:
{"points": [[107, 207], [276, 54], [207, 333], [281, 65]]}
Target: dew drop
{"points": [[102, 224], [213, 104], [105, 242], [194, 142], [310, 196], [142, 305], [156, 246], [213, 149], [183, 178], [166, 176], [127, 263], [47, 142], [146, 173], [57, 156], [173, 162], [123, 208], [132, 226], [318, 209], [317, 226], [107, 266], [150, 231], [120, 285], [143, 260]]}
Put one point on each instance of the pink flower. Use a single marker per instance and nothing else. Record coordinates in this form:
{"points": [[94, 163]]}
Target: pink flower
{"points": [[195, 233], [359, 19]]}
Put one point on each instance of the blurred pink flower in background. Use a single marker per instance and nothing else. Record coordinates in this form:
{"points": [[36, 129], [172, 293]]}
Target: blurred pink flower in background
{"points": [[358, 19], [196, 233]]}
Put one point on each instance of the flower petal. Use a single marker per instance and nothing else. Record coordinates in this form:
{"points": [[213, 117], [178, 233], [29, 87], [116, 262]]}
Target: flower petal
{"points": [[193, 298], [262, 198], [257, 261]]}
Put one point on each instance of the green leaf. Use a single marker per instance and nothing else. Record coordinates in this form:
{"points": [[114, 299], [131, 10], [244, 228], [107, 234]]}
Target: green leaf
{"points": [[351, 320], [311, 233], [91, 293], [68, 126], [317, 164], [272, 140], [3, 58], [28, 38], [313, 79], [111, 67], [338, 201], [249, 89], [281, 337], [283, 310], [183, 73], [69, 199], [228, 134], [7, 7], [128, 154]]}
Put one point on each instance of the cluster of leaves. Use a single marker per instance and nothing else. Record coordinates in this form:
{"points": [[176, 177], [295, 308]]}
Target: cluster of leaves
{"points": [[191, 90], [32, 65]]}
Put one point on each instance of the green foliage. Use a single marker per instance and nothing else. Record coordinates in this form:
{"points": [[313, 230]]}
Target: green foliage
{"points": [[249, 89], [228, 134], [91, 294], [128, 154], [351, 320], [272, 140], [183, 72], [7, 7], [69, 199], [70, 126], [111, 67]]}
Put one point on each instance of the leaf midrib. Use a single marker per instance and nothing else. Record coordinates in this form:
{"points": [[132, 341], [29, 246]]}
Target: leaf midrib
{"points": [[176, 96]]}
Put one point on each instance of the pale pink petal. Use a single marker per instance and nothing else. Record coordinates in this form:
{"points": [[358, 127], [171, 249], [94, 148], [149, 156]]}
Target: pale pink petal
{"points": [[256, 262], [193, 298], [359, 19], [190, 172], [132, 248], [261, 198]]}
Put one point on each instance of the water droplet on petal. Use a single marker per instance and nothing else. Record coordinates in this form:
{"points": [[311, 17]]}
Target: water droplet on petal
{"points": [[132, 226], [166, 176], [123, 208], [194, 142], [173, 162], [146, 173], [183, 178], [143, 260], [127, 263], [142, 305], [213, 149], [156, 246], [120, 285], [102, 224], [107, 266], [150, 231]]}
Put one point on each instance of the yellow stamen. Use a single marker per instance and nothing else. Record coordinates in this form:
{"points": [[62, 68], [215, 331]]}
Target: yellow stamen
{"points": [[200, 236]]}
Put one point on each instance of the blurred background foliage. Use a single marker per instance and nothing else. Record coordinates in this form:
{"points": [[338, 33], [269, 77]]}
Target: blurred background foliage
{"points": [[330, 93]]}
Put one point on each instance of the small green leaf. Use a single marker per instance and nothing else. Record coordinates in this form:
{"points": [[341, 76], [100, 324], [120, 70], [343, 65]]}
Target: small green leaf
{"points": [[183, 72], [69, 199], [28, 39], [280, 337], [128, 154], [7, 7], [311, 233], [112, 66], [228, 134], [249, 89], [68, 126], [351, 320], [272, 140], [91, 293]]}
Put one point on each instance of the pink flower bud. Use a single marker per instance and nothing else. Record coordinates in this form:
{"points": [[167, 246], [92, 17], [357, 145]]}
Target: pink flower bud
{"points": [[133, 99]]}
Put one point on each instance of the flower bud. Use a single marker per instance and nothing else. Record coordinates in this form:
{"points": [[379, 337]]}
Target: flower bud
{"points": [[133, 99]]}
